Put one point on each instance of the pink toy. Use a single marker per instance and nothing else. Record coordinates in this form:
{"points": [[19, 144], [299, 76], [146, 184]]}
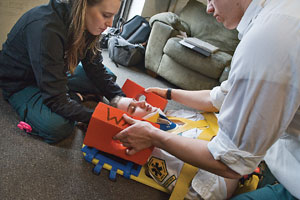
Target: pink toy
{"points": [[24, 126]]}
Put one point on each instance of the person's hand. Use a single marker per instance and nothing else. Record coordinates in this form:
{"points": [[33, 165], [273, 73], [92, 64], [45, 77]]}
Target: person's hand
{"points": [[159, 91], [137, 136]]}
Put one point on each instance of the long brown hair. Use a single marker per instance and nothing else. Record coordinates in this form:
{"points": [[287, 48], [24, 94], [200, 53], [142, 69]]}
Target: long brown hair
{"points": [[80, 40]]}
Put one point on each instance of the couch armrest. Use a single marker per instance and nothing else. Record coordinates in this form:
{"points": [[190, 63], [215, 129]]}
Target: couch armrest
{"points": [[172, 20], [160, 33]]}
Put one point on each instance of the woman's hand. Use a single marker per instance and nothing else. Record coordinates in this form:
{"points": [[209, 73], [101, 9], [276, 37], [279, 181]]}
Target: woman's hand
{"points": [[136, 137], [159, 91]]}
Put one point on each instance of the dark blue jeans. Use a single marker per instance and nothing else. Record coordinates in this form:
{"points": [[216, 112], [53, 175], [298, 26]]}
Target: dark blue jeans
{"points": [[268, 188], [50, 126], [276, 192]]}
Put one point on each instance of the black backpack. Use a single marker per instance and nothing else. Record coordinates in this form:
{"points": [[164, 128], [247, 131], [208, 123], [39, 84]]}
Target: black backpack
{"points": [[136, 30], [127, 47], [124, 53]]}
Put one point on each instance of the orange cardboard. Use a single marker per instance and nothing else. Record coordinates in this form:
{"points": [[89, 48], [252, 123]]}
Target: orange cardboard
{"points": [[105, 123], [133, 90]]}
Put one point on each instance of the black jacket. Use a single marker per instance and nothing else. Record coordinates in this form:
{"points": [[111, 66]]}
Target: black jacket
{"points": [[34, 55]]}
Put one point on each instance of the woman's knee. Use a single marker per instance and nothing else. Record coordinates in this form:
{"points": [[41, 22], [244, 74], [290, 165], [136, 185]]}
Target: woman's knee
{"points": [[48, 125], [45, 123], [56, 130]]}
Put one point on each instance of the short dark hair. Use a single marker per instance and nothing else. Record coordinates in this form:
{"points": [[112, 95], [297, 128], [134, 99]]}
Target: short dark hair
{"points": [[114, 102]]}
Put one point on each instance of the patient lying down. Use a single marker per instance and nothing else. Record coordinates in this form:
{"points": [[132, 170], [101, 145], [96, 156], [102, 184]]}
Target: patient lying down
{"points": [[204, 185]]}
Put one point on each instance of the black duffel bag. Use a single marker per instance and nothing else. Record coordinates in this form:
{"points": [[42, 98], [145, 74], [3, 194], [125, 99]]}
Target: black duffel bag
{"points": [[136, 30], [124, 53]]}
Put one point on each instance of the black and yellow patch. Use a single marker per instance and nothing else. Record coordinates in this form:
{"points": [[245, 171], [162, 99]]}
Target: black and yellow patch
{"points": [[158, 169], [169, 181]]}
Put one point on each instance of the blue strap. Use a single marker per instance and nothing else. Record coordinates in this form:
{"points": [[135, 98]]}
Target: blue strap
{"points": [[127, 168], [136, 172], [90, 153], [166, 127], [97, 169], [113, 174]]}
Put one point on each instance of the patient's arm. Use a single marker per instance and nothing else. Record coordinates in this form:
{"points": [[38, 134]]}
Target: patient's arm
{"points": [[198, 99]]}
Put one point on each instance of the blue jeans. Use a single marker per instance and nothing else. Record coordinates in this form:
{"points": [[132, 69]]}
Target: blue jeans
{"points": [[50, 126], [265, 193]]}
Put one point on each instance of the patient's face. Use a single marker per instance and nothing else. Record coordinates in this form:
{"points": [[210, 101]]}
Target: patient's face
{"points": [[135, 108]]}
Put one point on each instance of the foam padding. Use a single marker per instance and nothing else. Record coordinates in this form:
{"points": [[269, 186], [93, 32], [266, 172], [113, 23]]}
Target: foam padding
{"points": [[105, 123], [133, 90]]}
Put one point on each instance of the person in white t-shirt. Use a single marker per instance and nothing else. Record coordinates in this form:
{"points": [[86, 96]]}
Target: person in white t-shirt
{"points": [[258, 104]]}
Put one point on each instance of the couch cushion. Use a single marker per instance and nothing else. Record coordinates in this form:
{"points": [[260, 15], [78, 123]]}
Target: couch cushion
{"points": [[211, 66], [206, 27], [184, 78]]}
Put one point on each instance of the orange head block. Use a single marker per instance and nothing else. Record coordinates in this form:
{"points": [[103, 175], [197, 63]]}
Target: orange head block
{"points": [[133, 90], [105, 123]]}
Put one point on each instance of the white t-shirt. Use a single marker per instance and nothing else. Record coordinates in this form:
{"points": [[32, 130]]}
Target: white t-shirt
{"points": [[259, 117]]}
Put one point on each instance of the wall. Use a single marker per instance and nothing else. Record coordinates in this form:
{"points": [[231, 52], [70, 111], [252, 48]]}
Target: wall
{"points": [[11, 11], [153, 7], [136, 8]]}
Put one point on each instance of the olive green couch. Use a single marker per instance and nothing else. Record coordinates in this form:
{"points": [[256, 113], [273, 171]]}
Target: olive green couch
{"points": [[184, 67]]}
